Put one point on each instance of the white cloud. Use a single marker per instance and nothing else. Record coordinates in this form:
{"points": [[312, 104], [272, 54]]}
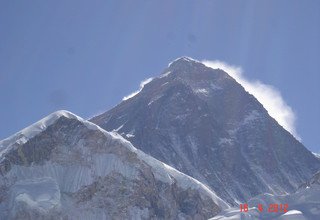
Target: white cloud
{"points": [[144, 82], [267, 95]]}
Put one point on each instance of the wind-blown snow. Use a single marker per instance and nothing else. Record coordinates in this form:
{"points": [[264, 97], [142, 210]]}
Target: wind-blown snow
{"points": [[267, 95], [165, 74], [142, 84]]}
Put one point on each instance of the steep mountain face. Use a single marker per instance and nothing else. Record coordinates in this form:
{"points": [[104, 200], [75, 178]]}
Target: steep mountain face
{"points": [[64, 167], [202, 122]]}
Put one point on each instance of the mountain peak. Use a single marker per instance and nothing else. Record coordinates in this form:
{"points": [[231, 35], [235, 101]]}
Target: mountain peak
{"points": [[27, 133], [183, 61], [197, 119], [185, 67], [68, 157]]}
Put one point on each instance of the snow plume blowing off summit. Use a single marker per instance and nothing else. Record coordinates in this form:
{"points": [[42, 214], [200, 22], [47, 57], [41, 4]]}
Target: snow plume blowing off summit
{"points": [[202, 122], [267, 95], [146, 81]]}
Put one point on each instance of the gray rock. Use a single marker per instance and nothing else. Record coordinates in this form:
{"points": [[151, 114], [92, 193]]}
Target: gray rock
{"points": [[202, 122], [64, 167]]}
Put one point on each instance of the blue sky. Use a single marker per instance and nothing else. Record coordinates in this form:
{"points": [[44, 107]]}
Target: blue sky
{"points": [[85, 56]]}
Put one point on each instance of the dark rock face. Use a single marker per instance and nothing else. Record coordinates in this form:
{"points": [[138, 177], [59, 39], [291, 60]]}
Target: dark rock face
{"points": [[202, 122], [39, 149]]}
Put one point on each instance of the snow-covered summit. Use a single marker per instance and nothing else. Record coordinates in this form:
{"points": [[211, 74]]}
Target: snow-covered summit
{"points": [[31, 131], [202, 122], [183, 59], [184, 64], [71, 160], [40, 125], [34, 129]]}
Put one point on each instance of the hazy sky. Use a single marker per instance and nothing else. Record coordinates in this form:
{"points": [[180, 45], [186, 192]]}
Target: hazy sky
{"points": [[85, 56]]}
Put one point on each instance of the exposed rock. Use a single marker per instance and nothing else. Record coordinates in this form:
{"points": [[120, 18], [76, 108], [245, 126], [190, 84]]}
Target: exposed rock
{"points": [[73, 169], [202, 122]]}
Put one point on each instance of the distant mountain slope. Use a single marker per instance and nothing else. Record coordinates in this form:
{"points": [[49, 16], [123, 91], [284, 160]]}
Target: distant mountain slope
{"points": [[202, 122], [304, 204], [64, 167]]}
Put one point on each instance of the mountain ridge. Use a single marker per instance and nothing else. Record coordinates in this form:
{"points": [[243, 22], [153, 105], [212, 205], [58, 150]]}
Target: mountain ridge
{"points": [[63, 168], [202, 122]]}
